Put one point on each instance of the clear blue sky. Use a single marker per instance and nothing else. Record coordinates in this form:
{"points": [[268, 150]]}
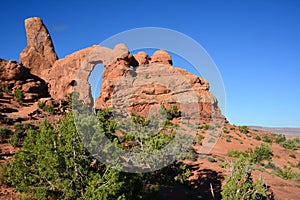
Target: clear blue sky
{"points": [[255, 44]]}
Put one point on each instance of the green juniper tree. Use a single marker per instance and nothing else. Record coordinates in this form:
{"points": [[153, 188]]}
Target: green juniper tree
{"points": [[54, 162], [240, 185]]}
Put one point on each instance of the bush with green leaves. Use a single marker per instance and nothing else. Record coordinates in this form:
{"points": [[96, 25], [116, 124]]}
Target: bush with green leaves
{"points": [[183, 173], [57, 166], [244, 129], [199, 138], [138, 119], [18, 136], [226, 131], [291, 144], [257, 137], [47, 108], [293, 155], [267, 139], [54, 163], [228, 139], [169, 113], [3, 173], [280, 138], [7, 90], [287, 173], [4, 133], [211, 159], [19, 96], [260, 153], [41, 104], [270, 165], [240, 185], [236, 153]]}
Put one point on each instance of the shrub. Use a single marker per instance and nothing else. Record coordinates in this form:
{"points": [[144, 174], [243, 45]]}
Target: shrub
{"points": [[228, 139], [167, 122], [171, 113], [293, 156], [257, 137], [226, 131], [244, 129], [240, 185], [285, 172], [298, 165], [8, 120], [263, 152], [280, 138], [3, 174], [54, 163], [49, 109], [235, 153], [267, 139], [19, 96], [291, 144], [4, 133], [52, 166], [223, 164], [7, 89], [18, 136], [211, 159], [183, 173], [41, 104], [270, 165], [199, 138], [260, 153], [206, 127]]}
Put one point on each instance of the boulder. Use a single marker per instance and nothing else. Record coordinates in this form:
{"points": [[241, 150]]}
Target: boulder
{"points": [[162, 57], [142, 58]]}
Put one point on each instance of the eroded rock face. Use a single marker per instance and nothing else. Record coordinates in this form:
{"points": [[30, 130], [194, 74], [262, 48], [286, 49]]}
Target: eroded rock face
{"points": [[141, 81], [15, 76], [141, 89], [64, 75], [39, 53], [72, 72]]}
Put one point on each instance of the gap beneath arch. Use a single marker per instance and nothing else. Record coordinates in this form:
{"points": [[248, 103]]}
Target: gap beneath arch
{"points": [[95, 80]]}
